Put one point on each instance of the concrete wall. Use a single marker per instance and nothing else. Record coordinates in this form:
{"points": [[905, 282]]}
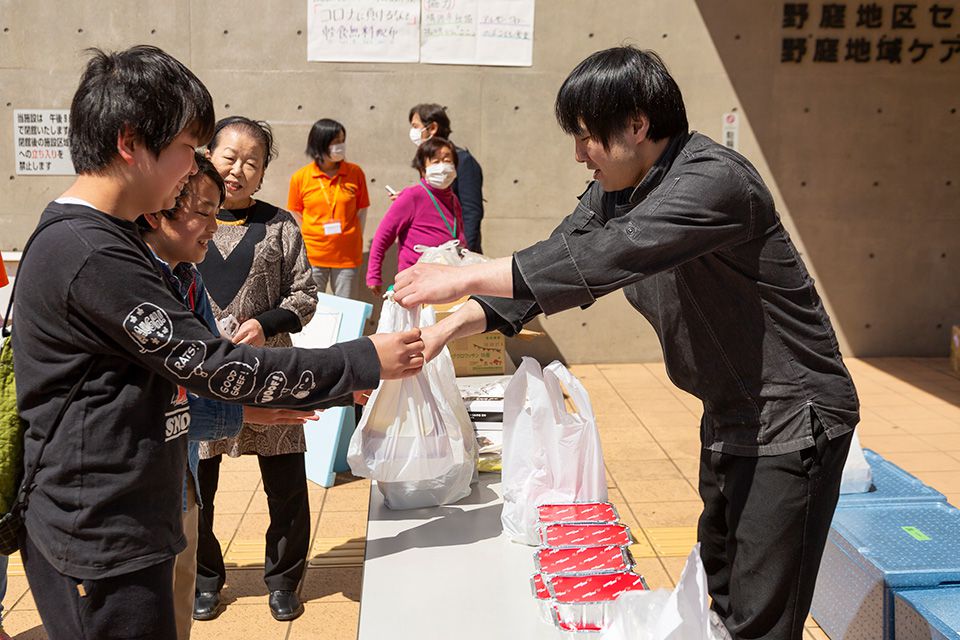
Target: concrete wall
{"points": [[863, 159]]}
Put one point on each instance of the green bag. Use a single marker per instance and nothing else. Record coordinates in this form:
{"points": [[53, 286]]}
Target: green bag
{"points": [[11, 431], [15, 484]]}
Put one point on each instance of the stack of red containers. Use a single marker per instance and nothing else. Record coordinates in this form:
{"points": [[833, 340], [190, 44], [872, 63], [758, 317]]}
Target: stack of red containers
{"points": [[583, 564]]}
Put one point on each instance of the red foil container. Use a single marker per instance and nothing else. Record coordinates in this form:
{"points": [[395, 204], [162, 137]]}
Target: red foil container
{"points": [[570, 629], [583, 560], [578, 513], [583, 603], [542, 595], [585, 535]]}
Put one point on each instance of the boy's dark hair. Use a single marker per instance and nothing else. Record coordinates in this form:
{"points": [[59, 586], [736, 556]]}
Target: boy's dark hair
{"points": [[205, 169], [428, 149], [433, 113], [322, 134], [143, 88], [256, 128], [608, 88]]}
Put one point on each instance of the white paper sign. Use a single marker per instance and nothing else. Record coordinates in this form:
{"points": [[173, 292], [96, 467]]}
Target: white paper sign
{"points": [[731, 131], [480, 32], [41, 142], [363, 30]]}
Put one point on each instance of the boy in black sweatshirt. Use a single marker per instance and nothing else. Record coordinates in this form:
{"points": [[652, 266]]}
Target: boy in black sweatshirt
{"points": [[103, 523]]}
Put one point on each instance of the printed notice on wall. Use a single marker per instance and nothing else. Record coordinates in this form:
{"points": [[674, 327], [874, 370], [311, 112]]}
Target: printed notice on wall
{"points": [[41, 142], [479, 32], [363, 30], [731, 131]]}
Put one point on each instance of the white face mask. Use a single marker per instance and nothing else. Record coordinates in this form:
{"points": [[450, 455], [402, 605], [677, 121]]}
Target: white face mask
{"points": [[416, 135], [337, 152], [440, 175]]}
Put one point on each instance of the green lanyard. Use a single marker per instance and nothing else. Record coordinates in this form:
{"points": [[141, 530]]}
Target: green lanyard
{"points": [[436, 204]]}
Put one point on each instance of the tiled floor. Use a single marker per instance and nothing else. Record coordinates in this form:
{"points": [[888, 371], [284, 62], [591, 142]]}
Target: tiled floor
{"points": [[911, 415]]}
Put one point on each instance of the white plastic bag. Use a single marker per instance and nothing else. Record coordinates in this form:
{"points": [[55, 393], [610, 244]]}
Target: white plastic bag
{"points": [[681, 614], [549, 454], [857, 474], [449, 253], [415, 437]]}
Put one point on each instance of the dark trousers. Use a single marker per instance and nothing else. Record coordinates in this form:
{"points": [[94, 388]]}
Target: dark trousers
{"points": [[288, 536], [762, 532], [133, 605]]}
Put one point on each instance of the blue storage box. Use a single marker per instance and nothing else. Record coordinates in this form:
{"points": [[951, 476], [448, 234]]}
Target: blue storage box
{"points": [[891, 485], [927, 614], [872, 551]]}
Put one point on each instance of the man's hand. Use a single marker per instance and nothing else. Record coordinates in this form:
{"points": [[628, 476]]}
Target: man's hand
{"points": [[401, 354], [429, 284], [434, 340], [251, 333], [262, 415], [468, 320], [437, 283]]}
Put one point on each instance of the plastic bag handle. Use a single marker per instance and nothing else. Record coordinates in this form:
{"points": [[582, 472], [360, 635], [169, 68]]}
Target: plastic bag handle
{"points": [[576, 390]]}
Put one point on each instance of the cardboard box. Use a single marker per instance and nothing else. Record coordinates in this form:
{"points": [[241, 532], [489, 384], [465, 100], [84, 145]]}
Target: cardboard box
{"points": [[480, 355], [955, 349]]}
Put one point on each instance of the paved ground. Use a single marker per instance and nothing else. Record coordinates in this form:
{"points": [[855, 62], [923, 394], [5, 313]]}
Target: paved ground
{"points": [[911, 415]]}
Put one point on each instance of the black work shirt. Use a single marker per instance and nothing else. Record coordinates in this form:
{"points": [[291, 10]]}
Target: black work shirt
{"points": [[107, 498], [700, 252]]}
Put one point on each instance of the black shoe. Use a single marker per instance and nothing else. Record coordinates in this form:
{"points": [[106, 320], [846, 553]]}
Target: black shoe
{"points": [[285, 605], [207, 605]]}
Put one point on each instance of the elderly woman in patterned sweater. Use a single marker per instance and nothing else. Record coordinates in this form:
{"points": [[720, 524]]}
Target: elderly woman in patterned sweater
{"points": [[256, 270]]}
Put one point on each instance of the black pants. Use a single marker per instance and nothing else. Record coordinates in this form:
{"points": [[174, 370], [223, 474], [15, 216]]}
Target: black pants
{"points": [[288, 536], [134, 605], [762, 532]]}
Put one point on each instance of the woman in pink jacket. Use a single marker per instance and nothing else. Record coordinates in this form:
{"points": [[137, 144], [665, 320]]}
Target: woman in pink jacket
{"points": [[427, 213]]}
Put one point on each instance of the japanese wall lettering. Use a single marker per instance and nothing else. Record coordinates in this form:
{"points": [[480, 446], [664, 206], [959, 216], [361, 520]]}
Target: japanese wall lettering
{"points": [[870, 32]]}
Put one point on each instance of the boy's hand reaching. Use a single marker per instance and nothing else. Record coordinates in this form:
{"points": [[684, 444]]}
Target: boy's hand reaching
{"points": [[401, 354]]}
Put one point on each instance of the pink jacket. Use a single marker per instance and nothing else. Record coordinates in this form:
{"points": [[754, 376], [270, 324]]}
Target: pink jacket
{"points": [[412, 219]]}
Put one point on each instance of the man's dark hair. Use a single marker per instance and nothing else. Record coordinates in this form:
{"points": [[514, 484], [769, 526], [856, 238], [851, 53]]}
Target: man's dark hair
{"points": [[205, 169], [322, 134], [431, 113], [142, 88], [430, 148], [612, 86], [259, 129]]}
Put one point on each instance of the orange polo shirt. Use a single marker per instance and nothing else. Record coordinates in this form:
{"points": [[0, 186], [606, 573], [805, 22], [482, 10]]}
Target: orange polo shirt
{"points": [[329, 206]]}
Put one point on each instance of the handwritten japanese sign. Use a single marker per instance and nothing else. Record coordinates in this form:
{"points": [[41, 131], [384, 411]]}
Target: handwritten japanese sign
{"points": [[487, 32], [479, 32], [363, 30], [863, 32], [41, 142]]}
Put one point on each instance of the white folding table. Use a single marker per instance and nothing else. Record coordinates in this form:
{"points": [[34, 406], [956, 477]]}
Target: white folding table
{"points": [[447, 572]]}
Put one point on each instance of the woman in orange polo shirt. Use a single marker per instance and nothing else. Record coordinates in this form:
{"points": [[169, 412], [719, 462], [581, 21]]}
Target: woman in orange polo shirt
{"points": [[329, 196]]}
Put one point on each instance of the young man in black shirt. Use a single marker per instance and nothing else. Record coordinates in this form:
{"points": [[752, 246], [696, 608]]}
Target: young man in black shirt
{"points": [[688, 230], [103, 523]]}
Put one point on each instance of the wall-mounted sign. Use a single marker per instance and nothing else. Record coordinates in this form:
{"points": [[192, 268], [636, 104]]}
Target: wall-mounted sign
{"points": [[41, 142]]}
